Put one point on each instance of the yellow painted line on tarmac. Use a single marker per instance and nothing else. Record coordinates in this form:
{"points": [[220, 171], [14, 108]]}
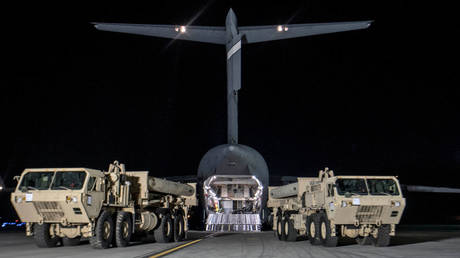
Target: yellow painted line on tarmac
{"points": [[175, 248]]}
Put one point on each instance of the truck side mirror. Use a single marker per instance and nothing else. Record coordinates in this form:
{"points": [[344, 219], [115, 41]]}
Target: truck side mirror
{"points": [[16, 178]]}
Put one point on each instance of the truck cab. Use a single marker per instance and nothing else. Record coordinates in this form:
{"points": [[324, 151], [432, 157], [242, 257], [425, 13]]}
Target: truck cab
{"points": [[324, 208], [63, 196]]}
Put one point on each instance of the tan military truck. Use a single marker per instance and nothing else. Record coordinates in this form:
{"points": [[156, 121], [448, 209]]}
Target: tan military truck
{"points": [[107, 207], [324, 208]]}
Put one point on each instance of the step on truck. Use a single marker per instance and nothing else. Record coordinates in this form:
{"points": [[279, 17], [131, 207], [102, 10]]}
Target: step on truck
{"points": [[63, 205], [324, 208]]}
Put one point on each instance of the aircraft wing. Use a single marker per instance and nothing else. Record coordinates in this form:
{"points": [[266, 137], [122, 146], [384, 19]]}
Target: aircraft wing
{"points": [[430, 189], [256, 34], [206, 34]]}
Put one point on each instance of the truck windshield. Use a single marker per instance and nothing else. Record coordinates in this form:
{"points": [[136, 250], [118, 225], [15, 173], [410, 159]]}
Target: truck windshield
{"points": [[382, 187], [36, 181], [69, 180], [351, 186]]}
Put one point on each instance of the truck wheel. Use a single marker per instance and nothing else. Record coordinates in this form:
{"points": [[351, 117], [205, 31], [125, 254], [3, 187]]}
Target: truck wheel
{"points": [[43, 237], [279, 229], [71, 241], [289, 231], [363, 240], [179, 230], [164, 232], [313, 229], [325, 232], [123, 229], [383, 237], [103, 232]]}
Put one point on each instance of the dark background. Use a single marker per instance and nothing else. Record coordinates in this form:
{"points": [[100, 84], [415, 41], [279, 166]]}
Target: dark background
{"points": [[381, 101]]}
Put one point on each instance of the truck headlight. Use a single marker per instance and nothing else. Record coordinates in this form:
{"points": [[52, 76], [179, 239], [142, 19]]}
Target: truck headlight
{"points": [[344, 204], [331, 206], [71, 199], [396, 203], [18, 199]]}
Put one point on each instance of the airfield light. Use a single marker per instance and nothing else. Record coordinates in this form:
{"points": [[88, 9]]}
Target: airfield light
{"points": [[176, 29], [285, 28], [279, 28], [1, 188]]}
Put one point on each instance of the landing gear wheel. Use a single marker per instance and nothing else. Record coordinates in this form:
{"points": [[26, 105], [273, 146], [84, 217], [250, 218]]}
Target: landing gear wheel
{"points": [[289, 231], [103, 232], [123, 229], [363, 240], [279, 228], [43, 237], [325, 232], [164, 232], [383, 236], [179, 230], [71, 241], [313, 229]]}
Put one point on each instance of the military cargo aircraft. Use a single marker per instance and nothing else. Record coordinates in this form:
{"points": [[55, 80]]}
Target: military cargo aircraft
{"points": [[234, 177]]}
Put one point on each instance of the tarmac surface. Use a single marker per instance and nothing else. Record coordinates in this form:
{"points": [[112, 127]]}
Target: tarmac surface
{"points": [[413, 241]]}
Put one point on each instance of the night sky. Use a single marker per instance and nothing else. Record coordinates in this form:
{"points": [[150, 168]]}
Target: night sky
{"points": [[381, 101]]}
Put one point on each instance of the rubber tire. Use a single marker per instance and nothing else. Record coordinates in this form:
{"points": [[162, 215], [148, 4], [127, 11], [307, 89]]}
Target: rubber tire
{"points": [[122, 217], [179, 232], [279, 229], [383, 237], [98, 241], [291, 235], [313, 219], [328, 240], [363, 240], [42, 236], [71, 241], [161, 234]]}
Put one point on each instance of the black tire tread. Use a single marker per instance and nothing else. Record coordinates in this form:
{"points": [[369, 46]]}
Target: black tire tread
{"points": [[314, 218], [42, 236], [160, 234], [121, 217], [279, 226], [383, 237], [363, 240], [292, 234], [329, 241], [97, 241], [71, 241], [179, 235]]}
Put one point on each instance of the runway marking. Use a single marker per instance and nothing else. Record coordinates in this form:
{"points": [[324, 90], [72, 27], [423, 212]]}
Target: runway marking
{"points": [[175, 248]]}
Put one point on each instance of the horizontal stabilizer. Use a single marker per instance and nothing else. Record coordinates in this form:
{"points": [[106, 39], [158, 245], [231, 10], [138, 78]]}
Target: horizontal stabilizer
{"points": [[206, 34], [256, 34]]}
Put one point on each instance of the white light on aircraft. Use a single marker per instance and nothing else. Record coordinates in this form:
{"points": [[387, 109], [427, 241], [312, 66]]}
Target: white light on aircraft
{"points": [[1, 187], [181, 29], [281, 28]]}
